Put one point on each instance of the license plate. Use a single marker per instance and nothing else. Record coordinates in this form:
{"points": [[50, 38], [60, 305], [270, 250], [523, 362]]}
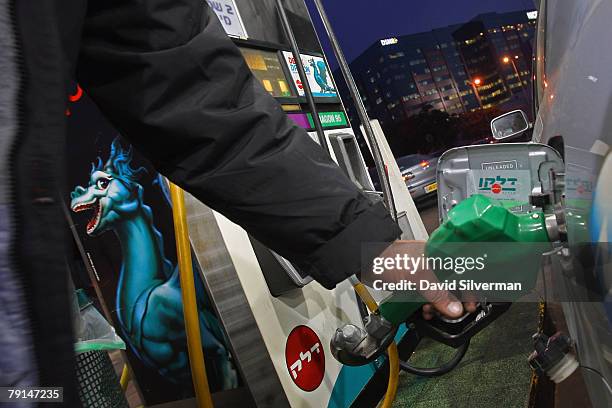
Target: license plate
{"points": [[431, 187]]}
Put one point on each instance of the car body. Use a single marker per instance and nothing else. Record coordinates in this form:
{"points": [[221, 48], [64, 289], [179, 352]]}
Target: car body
{"points": [[419, 174], [573, 113]]}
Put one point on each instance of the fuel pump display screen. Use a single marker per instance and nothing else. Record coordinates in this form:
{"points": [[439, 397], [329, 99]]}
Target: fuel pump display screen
{"points": [[268, 70]]}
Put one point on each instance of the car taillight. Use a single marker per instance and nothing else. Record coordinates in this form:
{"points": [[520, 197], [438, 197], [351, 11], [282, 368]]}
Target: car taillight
{"points": [[408, 176]]}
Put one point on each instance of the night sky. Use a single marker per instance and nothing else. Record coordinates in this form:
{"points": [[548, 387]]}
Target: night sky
{"points": [[358, 23]]}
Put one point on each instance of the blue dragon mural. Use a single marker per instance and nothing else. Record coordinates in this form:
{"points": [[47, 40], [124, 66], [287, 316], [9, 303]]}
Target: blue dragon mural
{"points": [[148, 297], [319, 71]]}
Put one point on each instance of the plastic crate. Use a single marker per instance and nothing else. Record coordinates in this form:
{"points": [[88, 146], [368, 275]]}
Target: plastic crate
{"points": [[97, 381]]}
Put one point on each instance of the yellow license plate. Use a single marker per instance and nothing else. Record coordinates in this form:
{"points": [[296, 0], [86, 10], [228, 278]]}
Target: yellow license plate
{"points": [[431, 187]]}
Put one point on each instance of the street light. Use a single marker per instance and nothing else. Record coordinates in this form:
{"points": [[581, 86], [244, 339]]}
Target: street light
{"points": [[474, 83], [506, 60]]}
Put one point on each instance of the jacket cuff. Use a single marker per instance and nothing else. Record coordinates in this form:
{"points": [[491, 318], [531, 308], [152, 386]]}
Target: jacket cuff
{"points": [[345, 254]]}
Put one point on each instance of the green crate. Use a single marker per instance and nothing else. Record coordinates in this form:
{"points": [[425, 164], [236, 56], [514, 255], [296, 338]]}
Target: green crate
{"points": [[97, 381]]}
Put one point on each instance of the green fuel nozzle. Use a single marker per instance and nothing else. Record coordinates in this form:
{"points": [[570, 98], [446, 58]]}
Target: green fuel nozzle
{"points": [[475, 222]]}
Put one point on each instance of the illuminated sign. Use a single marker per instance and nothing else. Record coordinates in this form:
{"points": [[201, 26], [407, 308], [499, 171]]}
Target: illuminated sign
{"points": [[532, 15], [317, 73], [330, 119], [389, 41], [267, 68], [229, 16]]}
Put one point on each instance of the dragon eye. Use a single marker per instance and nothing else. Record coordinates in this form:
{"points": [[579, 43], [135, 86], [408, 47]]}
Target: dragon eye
{"points": [[102, 183]]}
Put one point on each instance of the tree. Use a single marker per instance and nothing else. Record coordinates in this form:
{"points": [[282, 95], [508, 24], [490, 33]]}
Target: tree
{"points": [[433, 131]]}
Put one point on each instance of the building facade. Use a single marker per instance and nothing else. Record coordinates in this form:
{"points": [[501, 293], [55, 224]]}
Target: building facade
{"points": [[458, 68]]}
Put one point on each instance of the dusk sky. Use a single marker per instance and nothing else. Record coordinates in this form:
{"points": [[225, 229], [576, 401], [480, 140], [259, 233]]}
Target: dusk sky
{"points": [[358, 23]]}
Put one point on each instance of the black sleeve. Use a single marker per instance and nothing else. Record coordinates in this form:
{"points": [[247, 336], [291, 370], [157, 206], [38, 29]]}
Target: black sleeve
{"points": [[172, 82]]}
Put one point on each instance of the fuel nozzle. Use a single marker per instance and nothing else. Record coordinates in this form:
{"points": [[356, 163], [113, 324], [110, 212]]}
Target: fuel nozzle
{"points": [[553, 356]]}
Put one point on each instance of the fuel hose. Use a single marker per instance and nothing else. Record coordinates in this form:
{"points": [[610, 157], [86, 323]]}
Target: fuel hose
{"points": [[394, 363], [440, 370]]}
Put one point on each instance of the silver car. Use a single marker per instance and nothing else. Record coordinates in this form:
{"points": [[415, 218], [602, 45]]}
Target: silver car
{"points": [[419, 173]]}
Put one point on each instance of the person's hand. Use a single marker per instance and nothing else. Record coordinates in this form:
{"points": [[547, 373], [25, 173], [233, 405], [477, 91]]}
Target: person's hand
{"points": [[440, 301]]}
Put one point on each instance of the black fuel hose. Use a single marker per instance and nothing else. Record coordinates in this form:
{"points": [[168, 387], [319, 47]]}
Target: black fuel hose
{"points": [[437, 371]]}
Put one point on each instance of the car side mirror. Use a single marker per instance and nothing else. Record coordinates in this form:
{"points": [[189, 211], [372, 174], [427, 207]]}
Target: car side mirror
{"points": [[509, 124]]}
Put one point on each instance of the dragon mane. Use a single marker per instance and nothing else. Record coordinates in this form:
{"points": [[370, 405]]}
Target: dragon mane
{"points": [[119, 164]]}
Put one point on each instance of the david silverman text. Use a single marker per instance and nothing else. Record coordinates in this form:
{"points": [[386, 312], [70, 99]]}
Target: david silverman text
{"points": [[463, 284]]}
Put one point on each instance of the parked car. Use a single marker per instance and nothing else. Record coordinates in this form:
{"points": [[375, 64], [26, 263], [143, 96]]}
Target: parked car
{"points": [[419, 173]]}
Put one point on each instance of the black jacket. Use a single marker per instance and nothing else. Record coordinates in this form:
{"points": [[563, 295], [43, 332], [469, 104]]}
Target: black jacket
{"points": [[169, 79]]}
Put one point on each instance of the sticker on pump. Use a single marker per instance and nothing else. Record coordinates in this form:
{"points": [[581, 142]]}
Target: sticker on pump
{"points": [[501, 184], [305, 358]]}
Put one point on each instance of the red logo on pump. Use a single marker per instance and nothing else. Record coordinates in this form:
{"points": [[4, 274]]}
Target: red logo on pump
{"points": [[305, 358], [496, 188]]}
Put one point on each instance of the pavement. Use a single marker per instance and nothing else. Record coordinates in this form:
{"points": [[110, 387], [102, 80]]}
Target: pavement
{"points": [[493, 373], [429, 213]]}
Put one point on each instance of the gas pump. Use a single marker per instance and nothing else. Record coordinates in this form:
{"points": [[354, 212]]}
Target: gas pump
{"points": [[297, 344], [278, 321]]}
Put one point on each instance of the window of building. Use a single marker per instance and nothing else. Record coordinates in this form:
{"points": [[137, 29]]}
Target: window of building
{"points": [[398, 54], [410, 97], [417, 62], [378, 101]]}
